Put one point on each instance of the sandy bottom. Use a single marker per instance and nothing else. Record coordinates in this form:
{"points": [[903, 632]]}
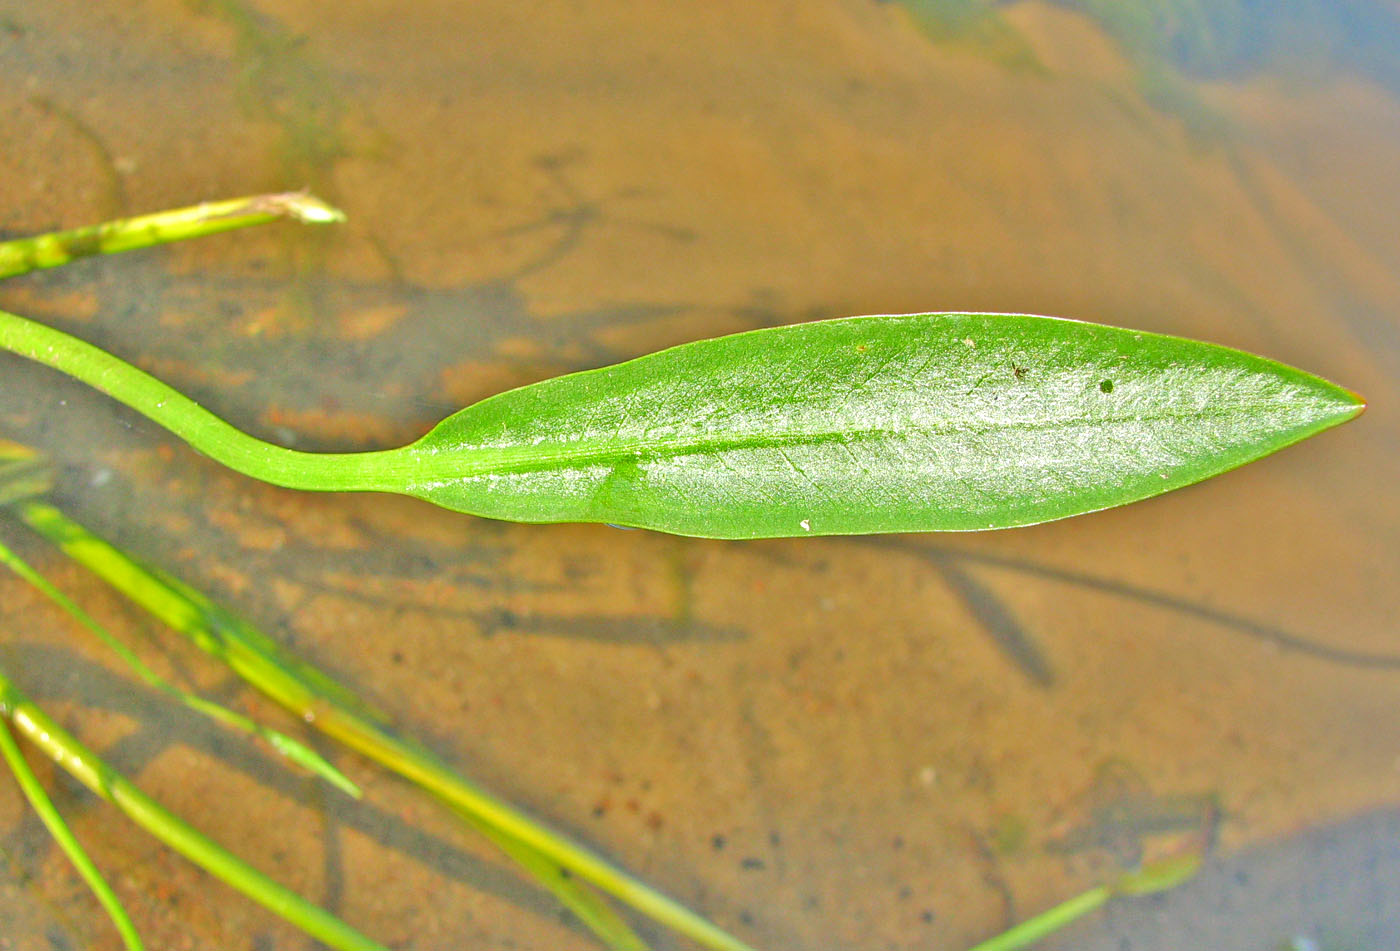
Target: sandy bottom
{"points": [[882, 743]]}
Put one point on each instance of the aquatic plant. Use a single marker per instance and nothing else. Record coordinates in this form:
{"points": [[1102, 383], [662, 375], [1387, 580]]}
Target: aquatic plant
{"points": [[923, 422]]}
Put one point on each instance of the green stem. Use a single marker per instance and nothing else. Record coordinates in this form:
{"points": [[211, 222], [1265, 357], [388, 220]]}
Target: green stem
{"points": [[86, 767], [332, 472], [34, 792], [126, 234]]}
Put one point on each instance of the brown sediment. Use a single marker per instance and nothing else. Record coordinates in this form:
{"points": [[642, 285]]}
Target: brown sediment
{"points": [[557, 187]]}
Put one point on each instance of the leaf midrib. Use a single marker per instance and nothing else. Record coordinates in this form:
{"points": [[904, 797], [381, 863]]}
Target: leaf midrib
{"points": [[516, 459]]}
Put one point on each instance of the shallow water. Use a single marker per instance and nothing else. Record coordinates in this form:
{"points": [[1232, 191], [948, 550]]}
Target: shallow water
{"points": [[904, 742]]}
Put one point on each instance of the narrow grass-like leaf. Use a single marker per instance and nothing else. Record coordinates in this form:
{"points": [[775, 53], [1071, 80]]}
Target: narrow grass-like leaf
{"points": [[1155, 877], [249, 652], [330, 707], [89, 769], [293, 749], [922, 422], [1046, 923], [23, 255], [587, 905], [1160, 876], [24, 473], [34, 791]]}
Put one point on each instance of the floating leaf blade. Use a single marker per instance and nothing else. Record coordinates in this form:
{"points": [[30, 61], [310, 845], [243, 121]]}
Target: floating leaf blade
{"points": [[922, 422]]}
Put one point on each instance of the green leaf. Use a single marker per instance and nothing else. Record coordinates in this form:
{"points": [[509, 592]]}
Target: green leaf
{"points": [[924, 422], [38, 798]]}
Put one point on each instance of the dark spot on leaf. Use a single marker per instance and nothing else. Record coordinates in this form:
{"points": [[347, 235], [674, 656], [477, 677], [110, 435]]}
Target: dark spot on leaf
{"points": [[1106, 386], [84, 243]]}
